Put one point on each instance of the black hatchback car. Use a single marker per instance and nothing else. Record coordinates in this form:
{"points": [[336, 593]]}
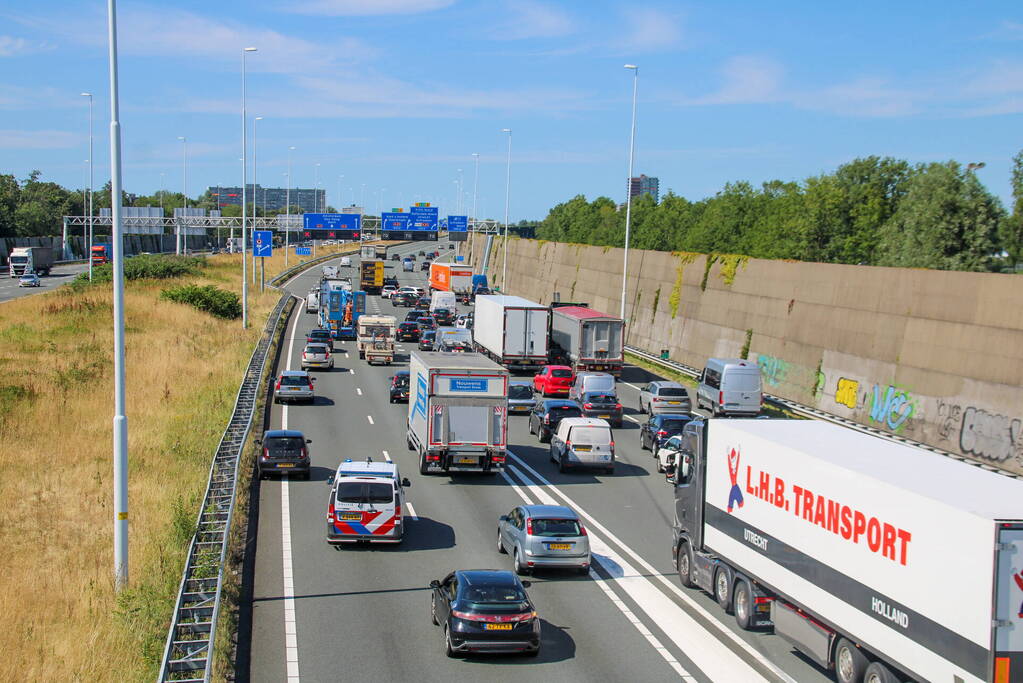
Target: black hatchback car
{"points": [[444, 316], [284, 452], [485, 610], [659, 428], [603, 405], [426, 322], [427, 340], [408, 331], [399, 387], [545, 416], [319, 336]]}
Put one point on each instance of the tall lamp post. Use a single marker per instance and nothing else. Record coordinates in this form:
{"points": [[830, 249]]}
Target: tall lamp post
{"points": [[507, 195], [184, 192], [120, 422], [245, 180], [88, 240], [254, 197], [628, 185]]}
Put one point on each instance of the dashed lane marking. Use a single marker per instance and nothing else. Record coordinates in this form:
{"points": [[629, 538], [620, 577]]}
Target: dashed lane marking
{"points": [[370, 418]]}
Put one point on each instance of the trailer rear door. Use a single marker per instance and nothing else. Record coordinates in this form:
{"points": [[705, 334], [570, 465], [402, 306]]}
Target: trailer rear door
{"points": [[515, 332], [1009, 605], [536, 332], [601, 339]]}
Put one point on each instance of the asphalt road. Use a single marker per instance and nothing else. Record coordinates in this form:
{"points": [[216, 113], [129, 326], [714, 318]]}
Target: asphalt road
{"points": [[9, 288], [322, 614]]}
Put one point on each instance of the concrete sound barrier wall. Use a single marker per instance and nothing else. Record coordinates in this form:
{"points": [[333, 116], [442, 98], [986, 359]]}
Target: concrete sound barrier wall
{"points": [[936, 356]]}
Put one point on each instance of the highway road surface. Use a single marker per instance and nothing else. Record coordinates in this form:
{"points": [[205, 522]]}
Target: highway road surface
{"points": [[362, 613], [9, 288]]}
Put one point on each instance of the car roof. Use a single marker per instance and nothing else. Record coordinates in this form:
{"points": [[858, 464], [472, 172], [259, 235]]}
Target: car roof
{"points": [[555, 402], [488, 577], [668, 417], [666, 383], [521, 382], [559, 367], [594, 374], [550, 511], [583, 422], [271, 433], [367, 468]]}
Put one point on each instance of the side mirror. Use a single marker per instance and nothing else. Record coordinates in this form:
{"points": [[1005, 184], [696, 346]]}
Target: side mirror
{"points": [[308, 440], [502, 518], [435, 584], [527, 584], [405, 482]]}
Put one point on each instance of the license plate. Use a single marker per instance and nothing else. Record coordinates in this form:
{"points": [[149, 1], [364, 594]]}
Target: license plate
{"points": [[605, 417], [285, 464], [467, 461], [559, 546], [582, 448], [674, 403], [351, 515], [497, 627]]}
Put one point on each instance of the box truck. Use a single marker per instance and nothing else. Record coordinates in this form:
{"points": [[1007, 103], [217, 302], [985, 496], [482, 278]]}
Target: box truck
{"points": [[102, 253], [380, 251], [877, 560], [511, 330], [587, 340], [371, 276], [38, 260], [458, 412], [451, 277], [368, 251]]}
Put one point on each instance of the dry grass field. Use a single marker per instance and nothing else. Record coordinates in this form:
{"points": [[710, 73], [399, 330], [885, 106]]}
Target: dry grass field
{"points": [[62, 619]]}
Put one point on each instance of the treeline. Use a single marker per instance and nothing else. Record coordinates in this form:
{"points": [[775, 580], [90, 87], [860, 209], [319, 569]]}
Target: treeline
{"points": [[876, 211]]}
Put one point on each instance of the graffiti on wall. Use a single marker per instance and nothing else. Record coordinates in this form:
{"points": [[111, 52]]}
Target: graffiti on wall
{"points": [[847, 392], [891, 407], [949, 420], [773, 370], [989, 435]]}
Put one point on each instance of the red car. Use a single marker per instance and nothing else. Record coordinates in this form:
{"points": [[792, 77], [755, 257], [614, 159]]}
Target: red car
{"points": [[554, 380]]}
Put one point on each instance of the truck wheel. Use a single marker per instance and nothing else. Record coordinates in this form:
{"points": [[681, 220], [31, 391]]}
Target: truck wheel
{"points": [[850, 662], [685, 566], [723, 589], [879, 673], [743, 605]]}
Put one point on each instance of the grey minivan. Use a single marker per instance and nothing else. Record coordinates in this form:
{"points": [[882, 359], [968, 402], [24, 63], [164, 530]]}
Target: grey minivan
{"points": [[540, 536], [664, 397], [730, 386]]}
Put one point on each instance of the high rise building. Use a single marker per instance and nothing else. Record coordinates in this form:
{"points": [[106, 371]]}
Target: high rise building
{"points": [[644, 185], [272, 198]]}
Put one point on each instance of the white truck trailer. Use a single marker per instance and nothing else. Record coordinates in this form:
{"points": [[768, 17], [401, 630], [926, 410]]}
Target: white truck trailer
{"points": [[512, 331], [458, 412], [587, 340], [368, 251], [38, 260], [375, 338], [878, 560]]}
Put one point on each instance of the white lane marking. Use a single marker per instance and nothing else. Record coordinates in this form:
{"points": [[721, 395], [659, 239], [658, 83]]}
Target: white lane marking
{"points": [[412, 511], [358, 391], [370, 418], [517, 489], [649, 570], [351, 370], [387, 456], [290, 630], [629, 580], [630, 418]]}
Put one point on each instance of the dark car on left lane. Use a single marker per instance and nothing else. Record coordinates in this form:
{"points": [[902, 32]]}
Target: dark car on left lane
{"points": [[399, 387], [284, 452], [319, 336], [485, 611]]}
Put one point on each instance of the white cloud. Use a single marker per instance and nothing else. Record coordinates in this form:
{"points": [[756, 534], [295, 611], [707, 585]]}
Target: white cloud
{"points": [[38, 139], [648, 29], [339, 8], [17, 47], [529, 19], [746, 80]]}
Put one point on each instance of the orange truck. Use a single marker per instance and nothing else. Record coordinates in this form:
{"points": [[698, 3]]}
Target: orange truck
{"points": [[451, 277]]}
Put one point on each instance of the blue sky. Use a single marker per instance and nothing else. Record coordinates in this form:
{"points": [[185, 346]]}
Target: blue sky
{"points": [[397, 95]]}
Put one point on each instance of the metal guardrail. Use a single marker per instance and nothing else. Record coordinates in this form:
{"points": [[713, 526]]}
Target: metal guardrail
{"points": [[188, 654], [814, 413]]}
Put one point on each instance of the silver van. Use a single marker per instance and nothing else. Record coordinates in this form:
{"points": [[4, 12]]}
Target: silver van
{"points": [[586, 382], [730, 386], [583, 442]]}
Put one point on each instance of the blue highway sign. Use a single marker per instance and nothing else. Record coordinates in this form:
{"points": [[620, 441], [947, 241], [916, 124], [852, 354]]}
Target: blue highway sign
{"points": [[262, 243], [342, 226], [458, 223], [303, 251], [394, 221], [423, 218]]}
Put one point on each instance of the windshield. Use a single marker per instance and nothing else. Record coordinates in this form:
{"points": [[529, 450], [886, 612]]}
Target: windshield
{"points": [[282, 445], [401, 380], [673, 426], [319, 349], [672, 391], [318, 334], [561, 373], [364, 492], [19, 259], [520, 391], [504, 594], [565, 411], [742, 381], [555, 527], [600, 398], [294, 381]]}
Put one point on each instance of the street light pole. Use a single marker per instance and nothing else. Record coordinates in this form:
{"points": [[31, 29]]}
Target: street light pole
{"points": [[245, 180], [120, 422], [507, 194], [253, 223], [88, 241], [628, 185], [184, 193]]}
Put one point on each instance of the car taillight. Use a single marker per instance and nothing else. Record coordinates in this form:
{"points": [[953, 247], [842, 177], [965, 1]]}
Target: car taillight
{"points": [[497, 458], [612, 446], [330, 513], [587, 406], [278, 384], [303, 355], [529, 527], [266, 454], [618, 406], [310, 385], [326, 354], [661, 432], [305, 453], [582, 530], [546, 419], [721, 398]]}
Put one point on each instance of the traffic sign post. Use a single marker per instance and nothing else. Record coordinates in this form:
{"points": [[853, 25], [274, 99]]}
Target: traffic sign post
{"points": [[262, 243], [303, 251]]}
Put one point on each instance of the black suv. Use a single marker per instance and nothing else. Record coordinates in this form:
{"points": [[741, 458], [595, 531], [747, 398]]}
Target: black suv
{"points": [[602, 405], [284, 452], [427, 340], [319, 336], [658, 428], [408, 331], [399, 387], [546, 415], [444, 316]]}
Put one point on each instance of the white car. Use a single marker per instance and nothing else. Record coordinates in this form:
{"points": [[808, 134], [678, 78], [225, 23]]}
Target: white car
{"points": [[346, 262], [388, 291]]}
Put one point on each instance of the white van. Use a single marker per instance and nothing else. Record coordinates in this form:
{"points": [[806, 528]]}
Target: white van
{"points": [[730, 386], [346, 262], [442, 300], [583, 442], [586, 382], [312, 302], [366, 503], [329, 272]]}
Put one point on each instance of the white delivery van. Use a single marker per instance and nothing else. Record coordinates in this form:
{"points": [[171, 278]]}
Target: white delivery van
{"points": [[346, 262], [329, 272], [586, 382], [312, 302], [583, 442], [730, 386], [442, 300]]}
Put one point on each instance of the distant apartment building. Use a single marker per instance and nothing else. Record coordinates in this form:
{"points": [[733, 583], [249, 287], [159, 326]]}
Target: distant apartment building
{"points": [[272, 198], [644, 185]]}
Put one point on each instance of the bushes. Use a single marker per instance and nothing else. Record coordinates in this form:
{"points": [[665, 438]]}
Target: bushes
{"points": [[151, 266], [215, 301]]}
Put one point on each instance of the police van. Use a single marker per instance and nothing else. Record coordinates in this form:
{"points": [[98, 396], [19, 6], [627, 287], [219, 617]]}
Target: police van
{"points": [[367, 499]]}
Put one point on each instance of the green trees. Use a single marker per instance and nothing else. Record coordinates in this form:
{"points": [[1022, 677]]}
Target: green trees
{"points": [[874, 210]]}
